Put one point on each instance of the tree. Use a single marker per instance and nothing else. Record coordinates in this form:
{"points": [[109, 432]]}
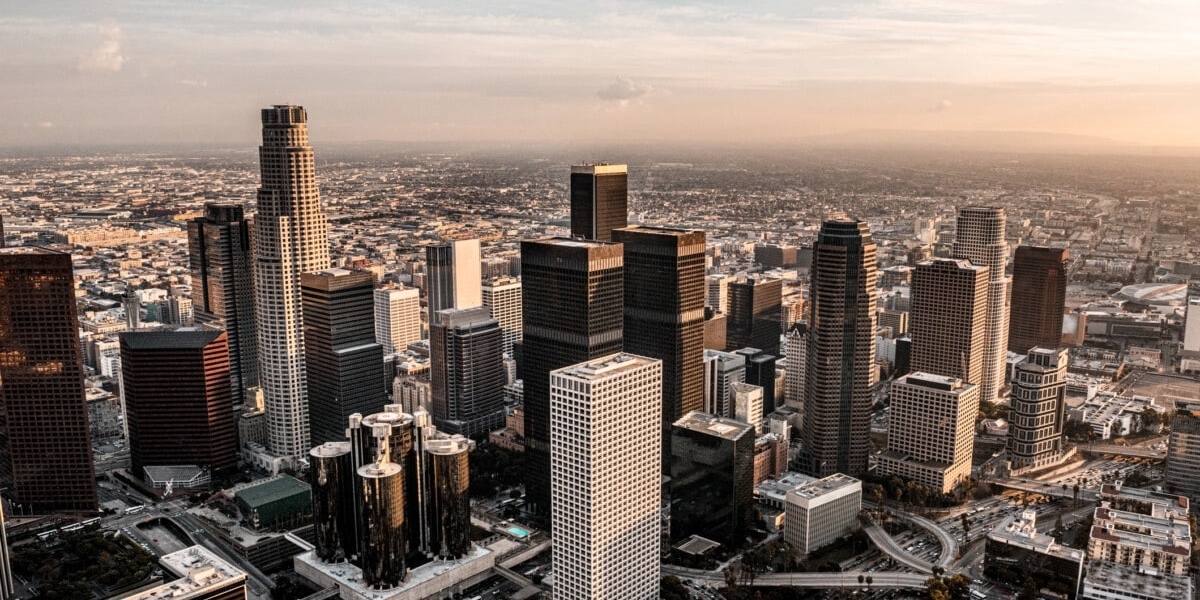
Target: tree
{"points": [[1076, 490], [672, 589], [958, 586], [935, 589]]}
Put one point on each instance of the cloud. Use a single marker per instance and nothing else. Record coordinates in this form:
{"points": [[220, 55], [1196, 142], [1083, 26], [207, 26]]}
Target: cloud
{"points": [[201, 83], [105, 58], [39, 125], [622, 90], [941, 106]]}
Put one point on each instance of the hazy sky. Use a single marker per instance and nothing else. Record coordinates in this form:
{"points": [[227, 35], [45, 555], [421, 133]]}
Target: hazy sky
{"points": [[183, 71]]}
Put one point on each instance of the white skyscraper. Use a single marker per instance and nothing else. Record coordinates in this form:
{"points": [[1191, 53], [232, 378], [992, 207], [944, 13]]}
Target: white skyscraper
{"points": [[1191, 326], [605, 450], [502, 296], [291, 236], [980, 239], [932, 430], [797, 365], [748, 404], [717, 292], [397, 317], [453, 280]]}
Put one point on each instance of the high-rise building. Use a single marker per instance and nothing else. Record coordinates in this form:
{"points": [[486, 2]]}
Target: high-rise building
{"points": [[760, 371], [599, 200], [177, 311], [502, 296], [840, 369], [721, 371], [331, 472], [979, 238], [755, 304], [1182, 471], [712, 478], [397, 317], [949, 319], [931, 432], [467, 371], [453, 276], [572, 312], [223, 286], [748, 405], [664, 313], [291, 236], [345, 363], [819, 512], [717, 292], [1039, 294], [606, 478], [1035, 422], [45, 425], [796, 365], [178, 400], [448, 508]]}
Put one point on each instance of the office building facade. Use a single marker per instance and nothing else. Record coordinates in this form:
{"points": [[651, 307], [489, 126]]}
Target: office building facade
{"points": [[178, 400], [1039, 295], [712, 478], [397, 317], [1182, 470], [1038, 408], [755, 305], [819, 512], [467, 371], [931, 431], [345, 363], [453, 276], [572, 312], [49, 450], [502, 296], [606, 478], [599, 200], [979, 238], [840, 372], [721, 371], [291, 236], [796, 365], [948, 322]]}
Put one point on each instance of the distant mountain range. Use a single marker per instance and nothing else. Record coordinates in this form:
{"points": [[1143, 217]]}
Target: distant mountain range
{"points": [[998, 141]]}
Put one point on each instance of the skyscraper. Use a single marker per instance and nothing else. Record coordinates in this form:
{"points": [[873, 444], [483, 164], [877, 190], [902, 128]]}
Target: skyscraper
{"points": [[664, 313], [397, 317], [1035, 422], [796, 365], [454, 276], [948, 322], [291, 236], [1191, 325], [178, 400], [755, 321], [721, 371], [467, 371], [717, 292], [45, 420], [1182, 470], [1039, 294], [345, 363], [502, 296], [979, 238], [605, 478], [841, 350], [931, 432], [223, 286], [599, 200], [572, 312]]}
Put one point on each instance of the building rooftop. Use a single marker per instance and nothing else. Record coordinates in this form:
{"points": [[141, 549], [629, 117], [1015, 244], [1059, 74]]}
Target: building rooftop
{"points": [[271, 490], [1132, 582], [26, 250], [1021, 530], [454, 444], [606, 366], [198, 569], [821, 487], [599, 169], [937, 382], [1171, 534], [721, 427], [192, 339]]}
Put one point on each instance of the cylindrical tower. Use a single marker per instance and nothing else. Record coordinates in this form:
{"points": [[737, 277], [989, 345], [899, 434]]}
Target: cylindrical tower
{"points": [[401, 447], [449, 507], [382, 520], [331, 477]]}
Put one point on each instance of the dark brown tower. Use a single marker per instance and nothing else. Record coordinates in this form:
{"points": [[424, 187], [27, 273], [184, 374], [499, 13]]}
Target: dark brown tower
{"points": [[178, 400], [572, 312], [664, 314], [755, 320], [599, 200], [49, 462], [1039, 294]]}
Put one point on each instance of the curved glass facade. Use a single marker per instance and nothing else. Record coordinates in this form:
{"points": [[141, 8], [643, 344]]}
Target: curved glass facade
{"points": [[383, 564], [449, 506], [330, 476]]}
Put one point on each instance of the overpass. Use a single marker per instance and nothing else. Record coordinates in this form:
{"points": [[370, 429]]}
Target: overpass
{"points": [[1119, 450], [846, 579]]}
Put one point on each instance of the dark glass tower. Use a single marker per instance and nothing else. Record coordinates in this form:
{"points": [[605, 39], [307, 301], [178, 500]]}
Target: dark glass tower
{"points": [[467, 371], [712, 478], [178, 403], [448, 506], [45, 418], [664, 313], [755, 319], [345, 363], [841, 350], [572, 312], [599, 200], [1039, 294], [760, 371], [223, 286]]}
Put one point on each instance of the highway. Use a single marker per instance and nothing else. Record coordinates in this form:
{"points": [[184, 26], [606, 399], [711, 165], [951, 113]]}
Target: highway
{"points": [[846, 579], [889, 547], [945, 540], [1117, 450]]}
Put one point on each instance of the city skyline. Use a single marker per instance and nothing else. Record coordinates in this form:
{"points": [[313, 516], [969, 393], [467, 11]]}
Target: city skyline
{"points": [[756, 71]]}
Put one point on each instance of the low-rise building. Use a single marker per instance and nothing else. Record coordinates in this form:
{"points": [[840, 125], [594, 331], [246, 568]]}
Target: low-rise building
{"points": [[1016, 550], [1148, 542], [819, 512], [1111, 415], [198, 575], [1111, 581]]}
